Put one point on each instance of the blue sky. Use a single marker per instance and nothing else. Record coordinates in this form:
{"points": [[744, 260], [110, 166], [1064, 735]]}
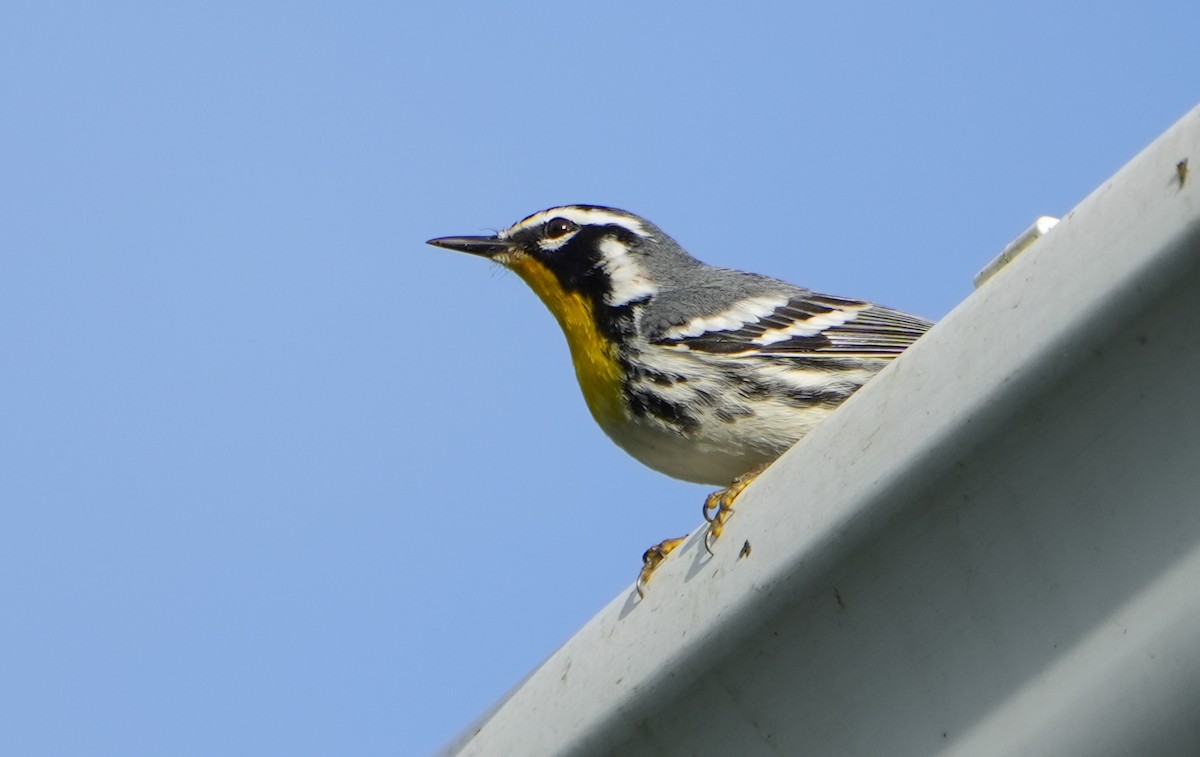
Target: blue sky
{"points": [[277, 478]]}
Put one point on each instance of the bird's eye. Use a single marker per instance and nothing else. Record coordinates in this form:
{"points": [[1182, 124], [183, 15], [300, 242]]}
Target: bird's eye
{"points": [[559, 227]]}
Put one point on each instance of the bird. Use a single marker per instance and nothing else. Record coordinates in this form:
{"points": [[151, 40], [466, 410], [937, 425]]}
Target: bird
{"points": [[703, 373]]}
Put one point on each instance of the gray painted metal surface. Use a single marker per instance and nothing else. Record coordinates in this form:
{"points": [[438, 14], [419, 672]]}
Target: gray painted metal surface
{"points": [[994, 548]]}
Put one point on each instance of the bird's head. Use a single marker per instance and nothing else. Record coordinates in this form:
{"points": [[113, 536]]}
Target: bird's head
{"points": [[592, 266], [605, 256]]}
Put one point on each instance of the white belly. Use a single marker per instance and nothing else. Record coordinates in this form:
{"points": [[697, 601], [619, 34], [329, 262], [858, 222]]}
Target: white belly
{"points": [[722, 451]]}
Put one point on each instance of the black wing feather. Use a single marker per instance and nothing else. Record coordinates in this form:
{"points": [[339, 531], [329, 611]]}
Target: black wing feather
{"points": [[869, 331]]}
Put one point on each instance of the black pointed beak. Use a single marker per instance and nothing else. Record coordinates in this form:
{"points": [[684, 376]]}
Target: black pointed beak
{"points": [[485, 246]]}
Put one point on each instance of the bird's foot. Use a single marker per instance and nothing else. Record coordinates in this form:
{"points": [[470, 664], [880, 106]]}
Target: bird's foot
{"points": [[652, 558], [718, 506]]}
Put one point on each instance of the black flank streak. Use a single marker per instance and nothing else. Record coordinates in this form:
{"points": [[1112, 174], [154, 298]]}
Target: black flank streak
{"points": [[647, 404], [756, 390], [732, 414], [638, 373], [831, 397]]}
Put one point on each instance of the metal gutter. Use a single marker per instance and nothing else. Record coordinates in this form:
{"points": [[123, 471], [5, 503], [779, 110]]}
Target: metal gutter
{"points": [[993, 548]]}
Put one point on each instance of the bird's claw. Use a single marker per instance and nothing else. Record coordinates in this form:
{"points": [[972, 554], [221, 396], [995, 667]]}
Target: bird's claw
{"points": [[718, 506], [651, 560]]}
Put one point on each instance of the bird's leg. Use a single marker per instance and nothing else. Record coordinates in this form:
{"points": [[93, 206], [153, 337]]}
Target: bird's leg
{"points": [[718, 506], [652, 558]]}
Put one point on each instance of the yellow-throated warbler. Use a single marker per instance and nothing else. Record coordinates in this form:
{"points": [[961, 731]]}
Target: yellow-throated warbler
{"points": [[706, 374]]}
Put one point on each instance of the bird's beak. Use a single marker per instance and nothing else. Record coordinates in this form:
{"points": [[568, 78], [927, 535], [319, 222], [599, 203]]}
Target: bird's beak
{"points": [[486, 246]]}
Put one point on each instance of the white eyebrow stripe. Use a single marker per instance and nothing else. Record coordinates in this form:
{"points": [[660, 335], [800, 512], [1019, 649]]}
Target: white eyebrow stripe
{"points": [[581, 216]]}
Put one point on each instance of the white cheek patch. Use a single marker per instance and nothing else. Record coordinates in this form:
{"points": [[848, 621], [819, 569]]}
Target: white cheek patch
{"points": [[736, 316], [627, 279], [808, 327]]}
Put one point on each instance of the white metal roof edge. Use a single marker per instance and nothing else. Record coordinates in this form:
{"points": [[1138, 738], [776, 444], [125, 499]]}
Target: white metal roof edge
{"points": [[1036, 320]]}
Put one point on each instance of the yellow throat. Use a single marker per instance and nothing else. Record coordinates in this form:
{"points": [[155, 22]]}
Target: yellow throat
{"points": [[595, 357]]}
